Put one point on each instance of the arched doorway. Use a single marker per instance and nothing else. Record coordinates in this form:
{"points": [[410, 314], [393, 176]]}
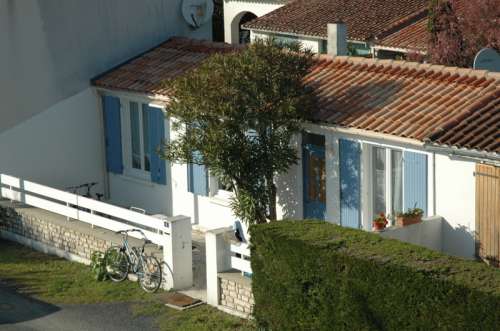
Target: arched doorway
{"points": [[239, 35], [244, 35]]}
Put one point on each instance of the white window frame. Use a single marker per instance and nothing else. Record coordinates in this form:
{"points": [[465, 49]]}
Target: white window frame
{"points": [[128, 169], [388, 178]]}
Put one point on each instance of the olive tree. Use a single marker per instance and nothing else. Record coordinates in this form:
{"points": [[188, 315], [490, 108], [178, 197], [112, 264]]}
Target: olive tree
{"points": [[236, 114]]}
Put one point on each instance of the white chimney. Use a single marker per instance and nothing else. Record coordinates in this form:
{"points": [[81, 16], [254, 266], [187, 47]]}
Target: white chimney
{"points": [[337, 39]]}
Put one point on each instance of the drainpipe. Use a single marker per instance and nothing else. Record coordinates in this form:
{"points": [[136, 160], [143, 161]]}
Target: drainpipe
{"points": [[105, 175], [434, 183]]}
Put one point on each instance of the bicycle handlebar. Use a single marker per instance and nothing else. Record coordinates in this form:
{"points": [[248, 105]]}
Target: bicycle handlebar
{"points": [[134, 230]]}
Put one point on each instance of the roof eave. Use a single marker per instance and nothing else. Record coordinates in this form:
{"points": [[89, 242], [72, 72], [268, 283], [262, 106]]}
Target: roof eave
{"points": [[473, 154]]}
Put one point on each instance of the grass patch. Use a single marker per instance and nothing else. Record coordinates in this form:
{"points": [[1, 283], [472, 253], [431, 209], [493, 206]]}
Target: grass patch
{"points": [[201, 318], [55, 280], [58, 281]]}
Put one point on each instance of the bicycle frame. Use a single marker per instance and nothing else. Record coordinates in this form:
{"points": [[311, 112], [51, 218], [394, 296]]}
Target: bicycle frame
{"points": [[135, 258]]}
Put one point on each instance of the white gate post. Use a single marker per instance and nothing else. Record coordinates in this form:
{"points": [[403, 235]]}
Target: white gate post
{"points": [[177, 253], [218, 250]]}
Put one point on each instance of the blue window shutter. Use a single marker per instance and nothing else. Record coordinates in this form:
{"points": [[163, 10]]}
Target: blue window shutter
{"points": [[197, 179], [415, 181], [350, 183], [112, 128], [156, 121]]}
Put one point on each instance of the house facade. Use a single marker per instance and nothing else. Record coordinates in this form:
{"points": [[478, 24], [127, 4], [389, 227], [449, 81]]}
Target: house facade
{"points": [[386, 136], [51, 127]]}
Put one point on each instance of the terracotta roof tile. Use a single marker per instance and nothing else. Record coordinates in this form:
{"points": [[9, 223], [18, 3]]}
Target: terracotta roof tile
{"points": [[146, 73], [424, 102], [449, 106], [364, 18], [413, 37]]}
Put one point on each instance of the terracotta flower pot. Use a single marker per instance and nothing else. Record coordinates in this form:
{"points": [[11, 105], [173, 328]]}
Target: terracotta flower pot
{"points": [[408, 220], [377, 226]]}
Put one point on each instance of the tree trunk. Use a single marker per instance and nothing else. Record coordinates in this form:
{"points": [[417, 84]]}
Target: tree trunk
{"points": [[271, 191]]}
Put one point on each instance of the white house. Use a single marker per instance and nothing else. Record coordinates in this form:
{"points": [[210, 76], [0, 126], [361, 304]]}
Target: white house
{"points": [[378, 28], [50, 123], [386, 136]]}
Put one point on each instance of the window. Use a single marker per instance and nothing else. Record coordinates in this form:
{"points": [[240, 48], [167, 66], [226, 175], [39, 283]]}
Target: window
{"points": [[139, 137], [323, 46], [146, 143], [379, 179], [398, 180]]}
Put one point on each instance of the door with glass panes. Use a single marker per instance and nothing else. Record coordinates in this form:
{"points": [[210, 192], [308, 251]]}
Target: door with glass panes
{"points": [[314, 175]]}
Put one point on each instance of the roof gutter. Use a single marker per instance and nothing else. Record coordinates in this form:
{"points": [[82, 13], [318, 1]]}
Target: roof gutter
{"points": [[397, 49], [367, 134], [284, 33], [473, 155]]}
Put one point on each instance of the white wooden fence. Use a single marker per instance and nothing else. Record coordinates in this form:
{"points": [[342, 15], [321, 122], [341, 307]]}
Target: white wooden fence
{"points": [[173, 233], [240, 259], [83, 209], [223, 256]]}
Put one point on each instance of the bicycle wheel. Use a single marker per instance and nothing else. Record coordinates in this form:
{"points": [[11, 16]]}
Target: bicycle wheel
{"points": [[150, 276], [117, 264]]}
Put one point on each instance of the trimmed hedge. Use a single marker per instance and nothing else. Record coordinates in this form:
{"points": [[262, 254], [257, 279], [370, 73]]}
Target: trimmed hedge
{"points": [[312, 275]]}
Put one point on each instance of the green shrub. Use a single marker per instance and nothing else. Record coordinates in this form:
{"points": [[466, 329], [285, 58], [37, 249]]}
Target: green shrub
{"points": [[312, 275], [98, 265]]}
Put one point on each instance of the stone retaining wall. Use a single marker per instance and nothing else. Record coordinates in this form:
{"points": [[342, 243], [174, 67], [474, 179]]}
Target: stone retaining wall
{"points": [[236, 293], [51, 233]]}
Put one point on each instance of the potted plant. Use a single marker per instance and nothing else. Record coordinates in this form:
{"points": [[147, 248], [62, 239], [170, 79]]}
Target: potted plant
{"points": [[412, 216], [380, 222]]}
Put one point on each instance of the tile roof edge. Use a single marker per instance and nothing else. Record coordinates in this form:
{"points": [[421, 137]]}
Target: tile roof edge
{"points": [[403, 22], [467, 72], [186, 40]]}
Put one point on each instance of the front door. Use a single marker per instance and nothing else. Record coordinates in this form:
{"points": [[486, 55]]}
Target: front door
{"points": [[314, 181], [488, 213]]}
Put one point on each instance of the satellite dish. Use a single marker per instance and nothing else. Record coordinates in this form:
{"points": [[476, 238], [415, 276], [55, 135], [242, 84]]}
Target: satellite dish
{"points": [[197, 12], [487, 59]]}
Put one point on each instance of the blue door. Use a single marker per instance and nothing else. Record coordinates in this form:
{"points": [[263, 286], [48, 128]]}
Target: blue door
{"points": [[314, 181], [350, 184]]}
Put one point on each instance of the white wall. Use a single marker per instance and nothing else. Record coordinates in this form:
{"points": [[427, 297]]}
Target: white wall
{"points": [[127, 192], [307, 43], [49, 50], [455, 202], [234, 11], [428, 233], [59, 147]]}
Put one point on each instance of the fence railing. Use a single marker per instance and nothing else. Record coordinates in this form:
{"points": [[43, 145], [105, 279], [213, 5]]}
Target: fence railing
{"points": [[240, 259], [73, 206]]}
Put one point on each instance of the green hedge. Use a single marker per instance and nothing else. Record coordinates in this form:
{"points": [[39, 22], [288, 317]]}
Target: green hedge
{"points": [[312, 275]]}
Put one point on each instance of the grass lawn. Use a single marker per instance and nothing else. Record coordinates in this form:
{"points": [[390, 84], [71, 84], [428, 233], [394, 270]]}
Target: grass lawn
{"points": [[58, 281]]}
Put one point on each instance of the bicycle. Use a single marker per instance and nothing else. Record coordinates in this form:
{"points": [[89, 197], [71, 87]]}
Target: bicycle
{"points": [[120, 260], [88, 194]]}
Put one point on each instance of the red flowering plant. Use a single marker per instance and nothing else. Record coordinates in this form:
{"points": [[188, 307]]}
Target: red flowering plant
{"points": [[380, 222]]}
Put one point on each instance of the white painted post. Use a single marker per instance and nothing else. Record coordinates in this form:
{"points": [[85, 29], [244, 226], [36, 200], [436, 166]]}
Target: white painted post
{"points": [[177, 253], [218, 259]]}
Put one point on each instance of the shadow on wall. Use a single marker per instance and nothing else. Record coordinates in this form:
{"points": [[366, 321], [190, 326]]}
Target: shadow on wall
{"points": [[458, 241], [287, 193]]}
